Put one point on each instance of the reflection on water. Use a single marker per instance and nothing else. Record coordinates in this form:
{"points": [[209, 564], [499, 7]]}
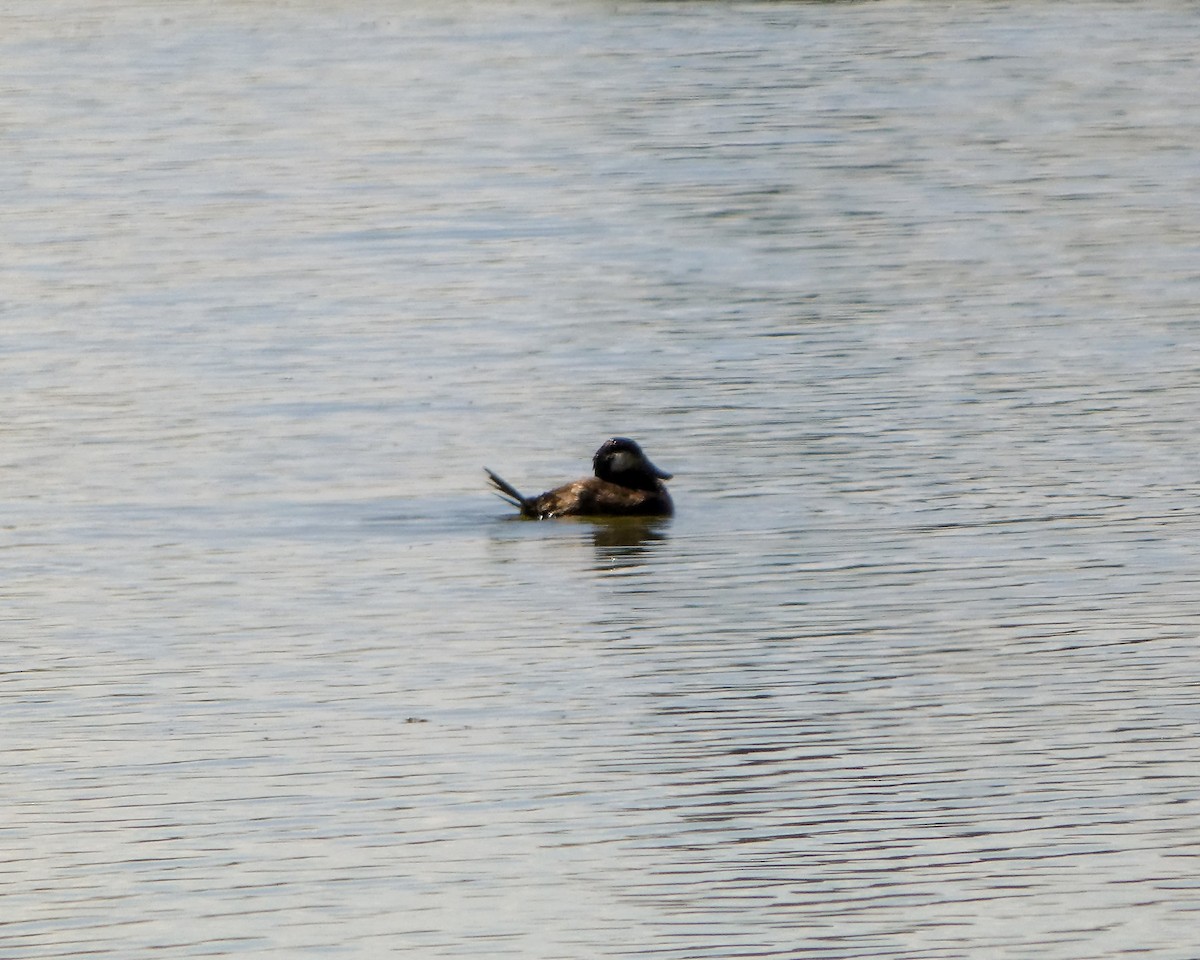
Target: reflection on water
{"points": [[904, 294], [626, 541]]}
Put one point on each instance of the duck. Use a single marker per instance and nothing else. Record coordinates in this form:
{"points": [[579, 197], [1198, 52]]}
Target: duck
{"points": [[625, 484]]}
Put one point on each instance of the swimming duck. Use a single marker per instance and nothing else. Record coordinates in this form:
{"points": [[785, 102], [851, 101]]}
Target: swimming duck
{"points": [[626, 484]]}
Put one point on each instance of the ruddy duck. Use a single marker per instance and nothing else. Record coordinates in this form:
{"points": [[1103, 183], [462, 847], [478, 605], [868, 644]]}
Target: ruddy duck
{"points": [[626, 484]]}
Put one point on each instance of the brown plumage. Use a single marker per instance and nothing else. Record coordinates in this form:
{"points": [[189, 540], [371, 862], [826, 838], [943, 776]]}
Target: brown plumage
{"points": [[626, 484]]}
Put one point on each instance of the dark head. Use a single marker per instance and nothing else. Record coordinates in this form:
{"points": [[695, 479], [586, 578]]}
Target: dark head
{"points": [[622, 462]]}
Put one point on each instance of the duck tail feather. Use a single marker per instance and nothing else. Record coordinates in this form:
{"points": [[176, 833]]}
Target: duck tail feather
{"points": [[505, 490]]}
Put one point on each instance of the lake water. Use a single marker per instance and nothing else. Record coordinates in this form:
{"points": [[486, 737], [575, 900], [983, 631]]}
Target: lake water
{"points": [[906, 295]]}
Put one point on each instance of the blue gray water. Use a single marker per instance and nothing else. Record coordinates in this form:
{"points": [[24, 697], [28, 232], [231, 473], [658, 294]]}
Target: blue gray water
{"points": [[906, 295]]}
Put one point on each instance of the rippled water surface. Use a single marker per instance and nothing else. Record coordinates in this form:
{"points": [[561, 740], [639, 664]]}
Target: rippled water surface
{"points": [[905, 294]]}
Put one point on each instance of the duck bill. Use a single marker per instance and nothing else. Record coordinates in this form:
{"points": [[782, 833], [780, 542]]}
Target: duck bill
{"points": [[661, 474]]}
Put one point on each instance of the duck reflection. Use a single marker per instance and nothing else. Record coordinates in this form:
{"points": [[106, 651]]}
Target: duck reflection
{"points": [[622, 542]]}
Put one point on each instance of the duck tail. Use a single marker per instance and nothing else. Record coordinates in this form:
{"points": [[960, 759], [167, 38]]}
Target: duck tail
{"points": [[507, 492]]}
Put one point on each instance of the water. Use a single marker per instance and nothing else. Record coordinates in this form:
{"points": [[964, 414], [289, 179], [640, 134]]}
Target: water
{"points": [[904, 293]]}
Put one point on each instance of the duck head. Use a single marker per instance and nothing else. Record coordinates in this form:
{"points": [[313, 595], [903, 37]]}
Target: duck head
{"points": [[621, 461]]}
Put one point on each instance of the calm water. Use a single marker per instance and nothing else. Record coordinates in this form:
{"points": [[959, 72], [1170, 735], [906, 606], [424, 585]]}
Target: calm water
{"points": [[906, 295]]}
